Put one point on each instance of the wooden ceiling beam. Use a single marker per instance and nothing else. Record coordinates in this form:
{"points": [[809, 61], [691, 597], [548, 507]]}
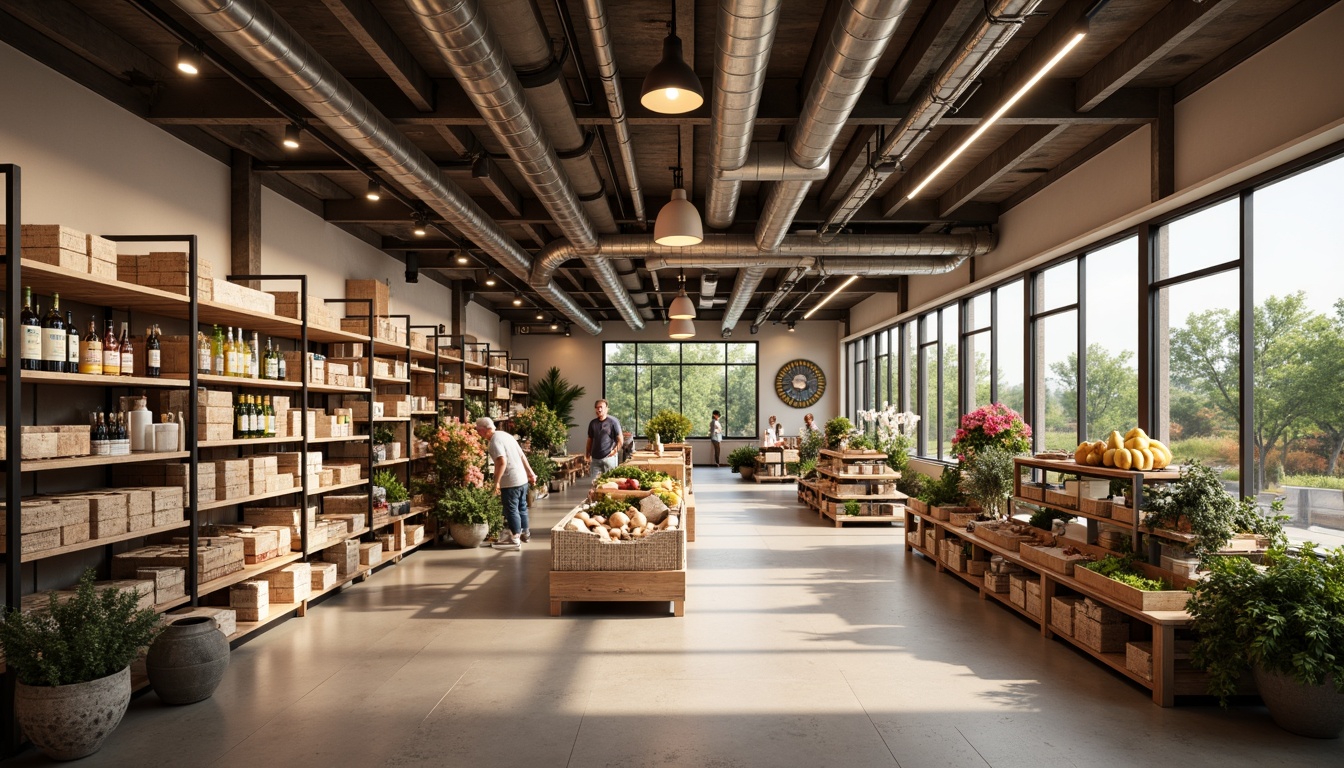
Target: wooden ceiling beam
{"points": [[53, 54], [70, 26], [939, 30], [223, 102], [1002, 161], [896, 198], [1104, 142], [371, 31], [1157, 38]]}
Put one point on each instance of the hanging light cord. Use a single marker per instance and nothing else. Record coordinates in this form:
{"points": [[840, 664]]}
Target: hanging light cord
{"points": [[677, 177]]}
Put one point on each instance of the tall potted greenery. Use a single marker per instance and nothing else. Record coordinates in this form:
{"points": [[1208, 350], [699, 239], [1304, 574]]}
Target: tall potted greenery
{"points": [[743, 461], [472, 514], [1284, 622], [668, 427], [543, 427], [989, 480], [558, 394], [456, 483], [73, 663], [544, 469]]}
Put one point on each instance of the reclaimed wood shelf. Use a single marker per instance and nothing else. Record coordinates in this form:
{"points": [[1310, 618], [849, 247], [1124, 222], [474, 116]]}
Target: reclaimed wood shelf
{"points": [[248, 572], [41, 465], [348, 439], [332, 542], [240, 441], [103, 541], [204, 379], [90, 380]]}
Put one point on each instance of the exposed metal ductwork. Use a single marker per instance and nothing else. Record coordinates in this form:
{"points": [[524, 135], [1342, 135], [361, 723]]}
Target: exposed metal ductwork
{"points": [[860, 35], [746, 32], [709, 285], [769, 161], [879, 255], [977, 48], [461, 32], [596, 13], [254, 31]]}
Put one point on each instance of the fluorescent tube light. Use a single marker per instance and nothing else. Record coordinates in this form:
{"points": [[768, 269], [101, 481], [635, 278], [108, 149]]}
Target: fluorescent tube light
{"points": [[830, 296]]}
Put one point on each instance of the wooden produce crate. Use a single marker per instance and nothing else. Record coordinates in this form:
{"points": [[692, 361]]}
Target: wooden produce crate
{"points": [[1099, 507], [586, 568], [1166, 600], [1052, 558], [595, 494], [918, 506], [1032, 491], [1003, 539], [1102, 637], [1061, 499], [960, 519]]}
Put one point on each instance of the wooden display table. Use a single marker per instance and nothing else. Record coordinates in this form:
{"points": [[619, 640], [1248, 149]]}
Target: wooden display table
{"points": [[569, 469], [672, 466], [772, 465], [925, 536], [862, 477], [650, 569]]}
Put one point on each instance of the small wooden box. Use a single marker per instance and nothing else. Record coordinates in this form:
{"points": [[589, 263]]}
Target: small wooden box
{"points": [[323, 575], [1105, 638], [371, 553], [1061, 613]]}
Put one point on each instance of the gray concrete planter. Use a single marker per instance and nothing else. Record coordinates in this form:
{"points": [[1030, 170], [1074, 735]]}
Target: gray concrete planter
{"points": [[186, 662], [1316, 711], [68, 722], [468, 536]]}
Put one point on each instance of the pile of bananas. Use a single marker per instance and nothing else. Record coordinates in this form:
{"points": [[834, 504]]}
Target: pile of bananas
{"points": [[1133, 450]]}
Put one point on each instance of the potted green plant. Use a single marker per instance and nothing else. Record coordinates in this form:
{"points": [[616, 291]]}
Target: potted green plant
{"points": [[542, 427], [1285, 623], [472, 514], [398, 498], [72, 659], [988, 479], [457, 461], [1197, 503], [381, 437], [557, 394], [544, 469], [743, 461], [838, 431], [668, 427]]}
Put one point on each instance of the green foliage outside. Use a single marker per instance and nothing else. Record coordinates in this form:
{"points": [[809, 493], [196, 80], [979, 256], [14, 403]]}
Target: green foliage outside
{"points": [[692, 378], [558, 394], [387, 480], [1287, 618], [740, 457], [95, 634]]}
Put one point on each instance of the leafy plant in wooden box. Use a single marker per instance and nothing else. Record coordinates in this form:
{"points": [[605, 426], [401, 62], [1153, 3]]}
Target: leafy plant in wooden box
{"points": [[669, 426], [387, 480], [383, 435], [852, 508], [542, 467], [837, 430], [558, 394], [945, 491], [860, 443], [740, 457], [1198, 502], [1121, 569], [1286, 618], [913, 484]]}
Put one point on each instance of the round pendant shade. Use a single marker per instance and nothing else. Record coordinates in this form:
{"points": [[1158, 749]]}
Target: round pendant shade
{"points": [[682, 308], [678, 222], [681, 329], [671, 87]]}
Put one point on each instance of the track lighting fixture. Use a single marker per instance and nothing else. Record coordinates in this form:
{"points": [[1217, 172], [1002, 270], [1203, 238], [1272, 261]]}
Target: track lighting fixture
{"points": [[831, 295], [490, 279], [517, 299], [566, 330], [421, 226], [671, 87], [374, 192], [292, 134], [188, 60]]}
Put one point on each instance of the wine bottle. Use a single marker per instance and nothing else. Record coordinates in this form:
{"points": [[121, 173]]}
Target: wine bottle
{"points": [[91, 351], [253, 423], [280, 371], [95, 435], [244, 356], [230, 355], [240, 418], [255, 360], [53, 338], [217, 352], [111, 352], [71, 342], [127, 352], [269, 411], [153, 352], [203, 356], [123, 436], [30, 356]]}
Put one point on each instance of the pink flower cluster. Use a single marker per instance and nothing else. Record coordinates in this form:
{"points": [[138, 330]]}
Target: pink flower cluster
{"points": [[994, 424]]}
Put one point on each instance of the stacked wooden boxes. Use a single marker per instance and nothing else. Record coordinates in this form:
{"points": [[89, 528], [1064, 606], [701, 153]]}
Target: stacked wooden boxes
{"points": [[998, 578], [251, 599], [1100, 627], [296, 363], [175, 475], [953, 553], [170, 582], [53, 244], [323, 575], [143, 589], [46, 522], [395, 406], [291, 584], [370, 554], [360, 409], [166, 271], [345, 555], [1062, 610], [242, 297], [375, 290], [289, 518], [107, 513], [225, 619], [233, 479], [214, 411], [1033, 606], [288, 304], [49, 442], [1017, 589], [216, 557]]}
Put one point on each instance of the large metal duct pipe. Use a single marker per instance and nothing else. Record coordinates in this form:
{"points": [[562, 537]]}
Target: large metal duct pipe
{"points": [[769, 161], [461, 32], [254, 31], [596, 13], [860, 35], [746, 31], [977, 48]]}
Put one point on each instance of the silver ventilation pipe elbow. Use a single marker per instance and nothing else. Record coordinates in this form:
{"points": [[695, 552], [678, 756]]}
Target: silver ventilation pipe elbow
{"points": [[255, 32]]}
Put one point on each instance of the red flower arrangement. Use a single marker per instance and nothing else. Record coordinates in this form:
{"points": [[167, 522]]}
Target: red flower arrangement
{"points": [[991, 425]]}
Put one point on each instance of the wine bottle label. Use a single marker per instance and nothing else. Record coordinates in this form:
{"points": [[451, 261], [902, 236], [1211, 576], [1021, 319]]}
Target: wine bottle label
{"points": [[203, 362], [152, 358], [32, 342], [112, 361], [92, 361], [72, 348], [242, 424], [53, 345], [127, 362]]}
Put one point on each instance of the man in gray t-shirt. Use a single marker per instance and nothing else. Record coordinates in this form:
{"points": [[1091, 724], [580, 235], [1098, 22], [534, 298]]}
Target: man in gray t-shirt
{"points": [[512, 476], [604, 440]]}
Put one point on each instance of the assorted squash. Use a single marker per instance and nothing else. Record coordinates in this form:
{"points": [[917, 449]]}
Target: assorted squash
{"points": [[1134, 450], [615, 520]]}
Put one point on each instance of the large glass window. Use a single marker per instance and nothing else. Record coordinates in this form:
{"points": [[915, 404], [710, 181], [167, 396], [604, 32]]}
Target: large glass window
{"points": [[1111, 397], [694, 378], [1009, 327], [1298, 429]]}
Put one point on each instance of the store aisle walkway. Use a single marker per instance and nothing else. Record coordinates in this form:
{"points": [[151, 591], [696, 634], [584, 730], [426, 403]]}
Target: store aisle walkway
{"points": [[802, 645]]}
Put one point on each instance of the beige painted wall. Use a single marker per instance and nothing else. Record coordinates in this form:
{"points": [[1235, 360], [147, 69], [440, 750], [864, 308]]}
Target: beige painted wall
{"points": [[1282, 103], [579, 359]]}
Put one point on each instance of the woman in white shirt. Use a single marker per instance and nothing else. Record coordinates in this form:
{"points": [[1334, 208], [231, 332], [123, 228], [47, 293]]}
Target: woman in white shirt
{"points": [[771, 438]]}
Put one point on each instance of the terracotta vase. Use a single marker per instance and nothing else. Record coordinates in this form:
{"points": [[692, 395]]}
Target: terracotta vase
{"points": [[68, 722], [186, 662]]}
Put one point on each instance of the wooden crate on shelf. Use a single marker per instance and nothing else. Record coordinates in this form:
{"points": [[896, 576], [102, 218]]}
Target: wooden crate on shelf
{"points": [[1053, 558], [1099, 507], [1165, 600], [1061, 613]]}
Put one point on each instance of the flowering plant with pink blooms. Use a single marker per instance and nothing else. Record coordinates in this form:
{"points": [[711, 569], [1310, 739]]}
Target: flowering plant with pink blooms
{"points": [[991, 425], [458, 455]]}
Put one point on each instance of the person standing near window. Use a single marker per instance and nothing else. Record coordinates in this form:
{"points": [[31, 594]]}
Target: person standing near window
{"points": [[512, 477], [716, 436], [604, 439]]}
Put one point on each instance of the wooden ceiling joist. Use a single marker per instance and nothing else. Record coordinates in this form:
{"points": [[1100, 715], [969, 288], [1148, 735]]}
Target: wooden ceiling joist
{"points": [[367, 26]]}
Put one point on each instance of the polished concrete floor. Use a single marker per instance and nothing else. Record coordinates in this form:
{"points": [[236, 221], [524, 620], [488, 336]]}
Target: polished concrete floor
{"points": [[802, 645]]}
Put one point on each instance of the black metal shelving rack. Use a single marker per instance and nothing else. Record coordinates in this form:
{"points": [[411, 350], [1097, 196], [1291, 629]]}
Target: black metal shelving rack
{"points": [[369, 386]]}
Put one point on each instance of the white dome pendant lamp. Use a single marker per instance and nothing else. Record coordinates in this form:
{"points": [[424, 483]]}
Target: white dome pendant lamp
{"points": [[681, 329], [681, 308], [678, 224]]}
